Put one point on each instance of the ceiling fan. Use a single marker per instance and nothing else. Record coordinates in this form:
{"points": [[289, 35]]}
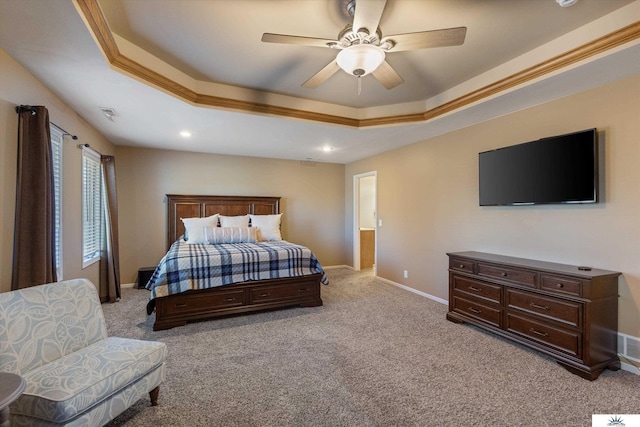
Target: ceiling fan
{"points": [[363, 48]]}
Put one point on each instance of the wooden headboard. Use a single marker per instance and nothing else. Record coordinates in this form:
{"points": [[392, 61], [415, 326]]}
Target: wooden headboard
{"points": [[188, 206]]}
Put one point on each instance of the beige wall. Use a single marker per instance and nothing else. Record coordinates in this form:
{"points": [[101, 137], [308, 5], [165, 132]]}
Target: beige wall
{"points": [[18, 86], [312, 198], [428, 199], [427, 194], [312, 195]]}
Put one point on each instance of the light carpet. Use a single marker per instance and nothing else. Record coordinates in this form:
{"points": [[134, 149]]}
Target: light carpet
{"points": [[373, 355]]}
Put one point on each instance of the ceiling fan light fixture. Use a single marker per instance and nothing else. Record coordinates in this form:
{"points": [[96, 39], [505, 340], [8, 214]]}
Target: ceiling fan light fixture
{"points": [[360, 59]]}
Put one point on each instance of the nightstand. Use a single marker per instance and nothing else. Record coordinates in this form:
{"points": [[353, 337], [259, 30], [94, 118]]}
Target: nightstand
{"points": [[144, 274]]}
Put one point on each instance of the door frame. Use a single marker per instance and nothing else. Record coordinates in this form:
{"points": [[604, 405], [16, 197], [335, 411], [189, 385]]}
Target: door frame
{"points": [[356, 218]]}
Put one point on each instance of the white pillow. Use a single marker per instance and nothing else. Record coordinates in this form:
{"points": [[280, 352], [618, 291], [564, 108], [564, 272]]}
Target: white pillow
{"points": [[216, 235], [241, 221], [194, 228], [268, 226]]}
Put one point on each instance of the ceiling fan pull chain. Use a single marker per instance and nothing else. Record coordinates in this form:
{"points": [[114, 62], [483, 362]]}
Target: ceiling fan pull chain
{"points": [[359, 85]]}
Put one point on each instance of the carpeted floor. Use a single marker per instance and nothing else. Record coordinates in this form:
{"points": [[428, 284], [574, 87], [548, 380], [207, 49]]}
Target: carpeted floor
{"points": [[373, 355]]}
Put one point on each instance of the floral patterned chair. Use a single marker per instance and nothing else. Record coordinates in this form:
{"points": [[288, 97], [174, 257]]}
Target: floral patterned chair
{"points": [[55, 337]]}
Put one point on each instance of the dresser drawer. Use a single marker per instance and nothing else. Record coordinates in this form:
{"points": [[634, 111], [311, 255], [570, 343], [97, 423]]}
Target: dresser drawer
{"points": [[566, 312], [186, 303], [514, 275], [484, 291], [484, 313], [278, 293], [461, 265], [565, 341], [561, 285]]}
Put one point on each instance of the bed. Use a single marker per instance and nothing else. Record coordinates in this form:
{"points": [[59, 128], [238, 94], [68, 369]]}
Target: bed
{"points": [[179, 295]]}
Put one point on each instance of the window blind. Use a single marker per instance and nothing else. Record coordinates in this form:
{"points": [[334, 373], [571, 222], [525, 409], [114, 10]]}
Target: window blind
{"points": [[56, 155], [91, 207]]}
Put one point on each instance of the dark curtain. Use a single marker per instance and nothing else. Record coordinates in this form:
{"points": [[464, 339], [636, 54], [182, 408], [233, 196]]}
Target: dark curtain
{"points": [[34, 244], [110, 254]]}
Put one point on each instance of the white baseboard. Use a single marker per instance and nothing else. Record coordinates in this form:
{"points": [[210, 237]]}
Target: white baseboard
{"points": [[629, 368], [127, 285], [415, 291], [628, 346], [333, 267]]}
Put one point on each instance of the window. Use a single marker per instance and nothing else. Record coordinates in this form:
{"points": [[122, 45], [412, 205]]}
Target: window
{"points": [[91, 207], [56, 154]]}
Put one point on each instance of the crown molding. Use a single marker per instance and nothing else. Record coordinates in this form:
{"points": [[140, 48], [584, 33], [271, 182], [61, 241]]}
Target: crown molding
{"points": [[97, 24]]}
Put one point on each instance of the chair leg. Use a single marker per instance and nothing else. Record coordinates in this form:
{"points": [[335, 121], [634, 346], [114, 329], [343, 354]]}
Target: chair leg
{"points": [[153, 395]]}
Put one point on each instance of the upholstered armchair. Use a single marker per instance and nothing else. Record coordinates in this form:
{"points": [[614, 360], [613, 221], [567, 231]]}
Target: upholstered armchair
{"points": [[55, 337]]}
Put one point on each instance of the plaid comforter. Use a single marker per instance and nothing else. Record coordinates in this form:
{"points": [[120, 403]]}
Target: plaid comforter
{"points": [[186, 267]]}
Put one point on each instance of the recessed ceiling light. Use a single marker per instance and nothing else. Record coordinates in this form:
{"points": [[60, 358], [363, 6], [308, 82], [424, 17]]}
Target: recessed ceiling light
{"points": [[566, 3], [327, 148], [185, 134]]}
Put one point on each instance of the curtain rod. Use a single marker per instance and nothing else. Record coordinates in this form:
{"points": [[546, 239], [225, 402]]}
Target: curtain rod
{"points": [[32, 110], [88, 147], [64, 132]]}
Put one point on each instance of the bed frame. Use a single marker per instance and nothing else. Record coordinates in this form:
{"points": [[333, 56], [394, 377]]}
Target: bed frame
{"points": [[246, 297]]}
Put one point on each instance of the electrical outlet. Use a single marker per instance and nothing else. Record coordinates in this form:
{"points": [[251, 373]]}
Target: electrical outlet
{"points": [[406, 274]]}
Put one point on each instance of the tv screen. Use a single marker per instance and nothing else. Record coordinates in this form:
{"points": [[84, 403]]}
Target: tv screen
{"points": [[559, 169]]}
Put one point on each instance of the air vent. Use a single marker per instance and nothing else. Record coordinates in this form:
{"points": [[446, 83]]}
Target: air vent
{"points": [[633, 348], [109, 113]]}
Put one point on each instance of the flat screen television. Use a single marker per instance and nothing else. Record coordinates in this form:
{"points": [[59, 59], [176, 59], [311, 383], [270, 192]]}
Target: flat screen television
{"points": [[554, 170]]}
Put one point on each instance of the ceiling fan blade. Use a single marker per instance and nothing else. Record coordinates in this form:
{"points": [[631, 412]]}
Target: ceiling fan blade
{"points": [[368, 14], [426, 39], [387, 76], [322, 75], [300, 40]]}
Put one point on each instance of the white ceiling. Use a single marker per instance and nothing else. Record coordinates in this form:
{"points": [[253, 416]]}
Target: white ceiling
{"points": [[216, 44]]}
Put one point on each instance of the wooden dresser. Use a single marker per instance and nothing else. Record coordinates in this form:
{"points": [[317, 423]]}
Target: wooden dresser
{"points": [[564, 311]]}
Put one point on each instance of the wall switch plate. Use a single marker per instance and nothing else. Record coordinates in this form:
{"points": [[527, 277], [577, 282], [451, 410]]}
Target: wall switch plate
{"points": [[406, 274], [379, 223]]}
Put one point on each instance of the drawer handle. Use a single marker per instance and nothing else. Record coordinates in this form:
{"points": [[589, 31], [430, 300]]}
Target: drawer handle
{"points": [[474, 310], [541, 307], [266, 294], [303, 290], [473, 288], [542, 334], [559, 285], [461, 266], [184, 304], [503, 274], [229, 299]]}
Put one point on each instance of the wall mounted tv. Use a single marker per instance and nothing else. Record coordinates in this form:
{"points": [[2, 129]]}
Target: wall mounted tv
{"points": [[554, 170]]}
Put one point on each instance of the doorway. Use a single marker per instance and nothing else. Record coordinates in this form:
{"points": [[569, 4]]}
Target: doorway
{"points": [[365, 219]]}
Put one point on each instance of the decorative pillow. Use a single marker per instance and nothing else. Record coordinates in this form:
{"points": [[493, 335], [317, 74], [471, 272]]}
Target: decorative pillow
{"points": [[217, 235], [241, 221], [268, 226], [194, 228]]}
